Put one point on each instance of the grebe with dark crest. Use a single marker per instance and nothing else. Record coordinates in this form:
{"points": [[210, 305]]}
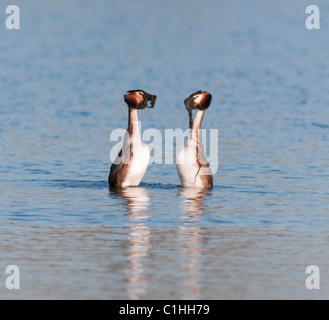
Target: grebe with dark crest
{"points": [[130, 166], [191, 163]]}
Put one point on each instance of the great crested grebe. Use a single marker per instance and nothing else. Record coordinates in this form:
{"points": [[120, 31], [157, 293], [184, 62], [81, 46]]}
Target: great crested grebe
{"points": [[130, 166], [192, 166]]}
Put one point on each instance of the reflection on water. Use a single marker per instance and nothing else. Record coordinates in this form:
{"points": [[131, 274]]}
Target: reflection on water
{"points": [[193, 200], [190, 239], [136, 201]]}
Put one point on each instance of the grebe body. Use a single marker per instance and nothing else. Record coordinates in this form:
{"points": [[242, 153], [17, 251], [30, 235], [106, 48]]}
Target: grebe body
{"points": [[191, 163], [132, 161]]}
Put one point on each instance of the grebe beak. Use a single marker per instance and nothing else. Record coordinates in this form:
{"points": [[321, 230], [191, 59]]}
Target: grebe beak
{"points": [[189, 103], [150, 100]]}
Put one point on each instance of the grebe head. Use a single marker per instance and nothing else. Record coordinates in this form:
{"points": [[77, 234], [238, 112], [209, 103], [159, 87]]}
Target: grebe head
{"points": [[198, 100], [139, 99]]}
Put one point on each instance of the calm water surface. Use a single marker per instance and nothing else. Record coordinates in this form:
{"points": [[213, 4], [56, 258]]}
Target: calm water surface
{"points": [[61, 85]]}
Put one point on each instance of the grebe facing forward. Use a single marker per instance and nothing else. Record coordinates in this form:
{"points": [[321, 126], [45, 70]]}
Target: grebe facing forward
{"points": [[131, 163], [192, 166]]}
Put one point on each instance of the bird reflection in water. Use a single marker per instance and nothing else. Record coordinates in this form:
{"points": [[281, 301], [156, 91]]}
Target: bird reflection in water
{"points": [[193, 201], [137, 202], [190, 239]]}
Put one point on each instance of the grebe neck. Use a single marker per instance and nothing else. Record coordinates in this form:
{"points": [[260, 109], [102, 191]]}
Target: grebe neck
{"points": [[196, 127], [133, 125]]}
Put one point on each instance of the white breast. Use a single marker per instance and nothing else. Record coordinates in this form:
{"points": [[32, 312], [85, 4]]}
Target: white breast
{"points": [[138, 164], [187, 167]]}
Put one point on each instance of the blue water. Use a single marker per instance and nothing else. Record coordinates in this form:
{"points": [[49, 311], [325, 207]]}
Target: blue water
{"points": [[63, 76]]}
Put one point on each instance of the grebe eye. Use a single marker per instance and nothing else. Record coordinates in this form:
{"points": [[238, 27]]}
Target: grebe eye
{"points": [[141, 93]]}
